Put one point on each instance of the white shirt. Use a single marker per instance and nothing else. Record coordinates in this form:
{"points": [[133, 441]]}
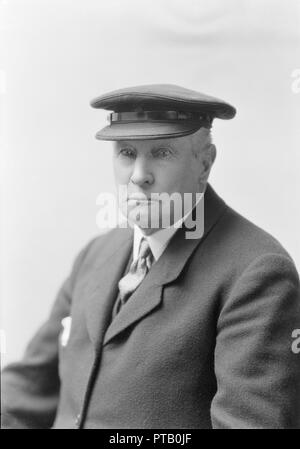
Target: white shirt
{"points": [[158, 241]]}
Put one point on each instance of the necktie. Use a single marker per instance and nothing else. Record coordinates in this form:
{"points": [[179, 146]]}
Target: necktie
{"points": [[137, 271]]}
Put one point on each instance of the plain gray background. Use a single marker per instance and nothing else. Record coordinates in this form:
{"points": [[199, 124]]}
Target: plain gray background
{"points": [[57, 55]]}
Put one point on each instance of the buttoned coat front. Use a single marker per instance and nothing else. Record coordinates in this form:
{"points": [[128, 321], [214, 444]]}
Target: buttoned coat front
{"points": [[204, 342]]}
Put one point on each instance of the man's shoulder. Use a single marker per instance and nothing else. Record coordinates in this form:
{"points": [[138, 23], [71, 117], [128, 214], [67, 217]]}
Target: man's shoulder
{"points": [[238, 236], [104, 245], [112, 237], [239, 253], [245, 241], [251, 233]]}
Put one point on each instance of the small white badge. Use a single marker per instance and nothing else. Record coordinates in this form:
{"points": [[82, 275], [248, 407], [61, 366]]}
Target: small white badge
{"points": [[66, 325]]}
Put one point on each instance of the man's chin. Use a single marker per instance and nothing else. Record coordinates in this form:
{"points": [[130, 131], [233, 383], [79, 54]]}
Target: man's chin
{"points": [[147, 222], [148, 215]]}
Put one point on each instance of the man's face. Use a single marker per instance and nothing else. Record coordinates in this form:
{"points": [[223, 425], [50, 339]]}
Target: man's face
{"points": [[155, 166]]}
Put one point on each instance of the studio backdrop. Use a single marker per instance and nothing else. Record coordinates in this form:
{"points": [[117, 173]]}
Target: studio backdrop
{"points": [[57, 55]]}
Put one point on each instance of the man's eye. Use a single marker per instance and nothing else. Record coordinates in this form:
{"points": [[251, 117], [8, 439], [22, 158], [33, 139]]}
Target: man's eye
{"points": [[127, 152], [163, 152]]}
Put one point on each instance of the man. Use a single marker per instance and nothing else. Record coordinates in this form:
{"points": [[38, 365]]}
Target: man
{"points": [[162, 330]]}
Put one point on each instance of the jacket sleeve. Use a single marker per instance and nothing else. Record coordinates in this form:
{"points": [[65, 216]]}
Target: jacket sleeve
{"points": [[30, 388], [258, 375]]}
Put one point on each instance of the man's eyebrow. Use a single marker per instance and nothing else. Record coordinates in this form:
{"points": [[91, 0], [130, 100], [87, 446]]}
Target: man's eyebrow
{"points": [[119, 145]]}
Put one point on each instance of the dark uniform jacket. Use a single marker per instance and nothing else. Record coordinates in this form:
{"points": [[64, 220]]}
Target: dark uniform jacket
{"points": [[204, 342]]}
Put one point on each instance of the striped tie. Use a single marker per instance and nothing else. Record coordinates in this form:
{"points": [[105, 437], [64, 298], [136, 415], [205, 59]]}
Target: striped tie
{"points": [[137, 271]]}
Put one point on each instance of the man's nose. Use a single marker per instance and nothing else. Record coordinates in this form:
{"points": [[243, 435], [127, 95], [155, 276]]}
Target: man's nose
{"points": [[141, 174]]}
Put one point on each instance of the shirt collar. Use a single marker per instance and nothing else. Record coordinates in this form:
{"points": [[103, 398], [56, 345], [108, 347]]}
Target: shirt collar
{"points": [[159, 240]]}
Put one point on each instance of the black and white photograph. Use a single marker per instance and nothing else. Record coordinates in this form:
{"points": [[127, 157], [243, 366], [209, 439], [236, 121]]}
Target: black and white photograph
{"points": [[149, 217]]}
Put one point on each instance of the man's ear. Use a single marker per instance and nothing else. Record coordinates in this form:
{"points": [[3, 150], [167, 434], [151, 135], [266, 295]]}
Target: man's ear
{"points": [[213, 151], [208, 158]]}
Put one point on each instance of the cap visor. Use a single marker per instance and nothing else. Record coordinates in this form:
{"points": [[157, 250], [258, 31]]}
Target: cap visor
{"points": [[147, 130]]}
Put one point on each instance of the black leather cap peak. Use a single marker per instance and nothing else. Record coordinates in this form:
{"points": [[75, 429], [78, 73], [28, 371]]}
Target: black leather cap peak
{"points": [[158, 111]]}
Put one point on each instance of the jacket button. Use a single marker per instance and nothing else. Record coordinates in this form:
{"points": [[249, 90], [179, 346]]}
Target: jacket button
{"points": [[77, 420]]}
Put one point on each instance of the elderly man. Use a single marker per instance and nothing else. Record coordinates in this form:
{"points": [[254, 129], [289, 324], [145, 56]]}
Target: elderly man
{"points": [[164, 329]]}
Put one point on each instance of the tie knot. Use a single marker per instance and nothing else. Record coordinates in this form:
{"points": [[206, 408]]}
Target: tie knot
{"points": [[145, 249], [137, 271]]}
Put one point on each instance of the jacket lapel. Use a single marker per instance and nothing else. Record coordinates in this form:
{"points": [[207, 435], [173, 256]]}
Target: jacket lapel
{"points": [[103, 287], [148, 295]]}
